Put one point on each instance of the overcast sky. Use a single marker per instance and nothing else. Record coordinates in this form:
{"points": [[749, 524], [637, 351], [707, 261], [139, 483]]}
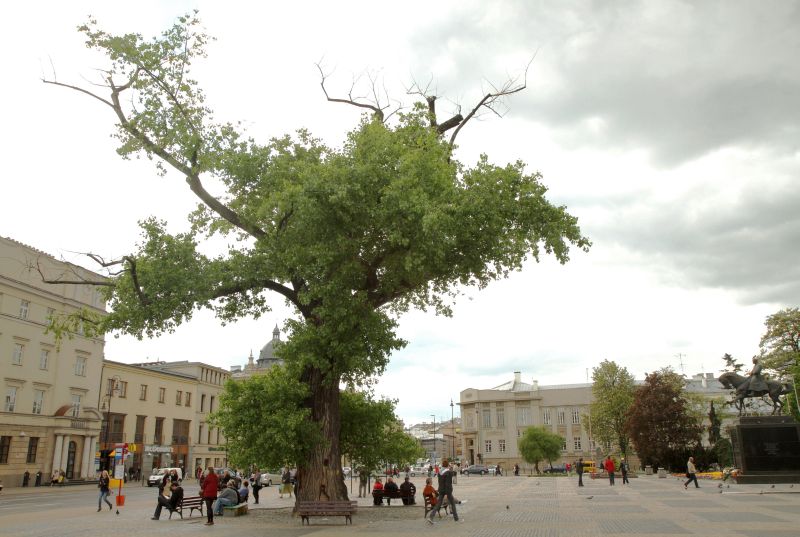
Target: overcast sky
{"points": [[670, 129]]}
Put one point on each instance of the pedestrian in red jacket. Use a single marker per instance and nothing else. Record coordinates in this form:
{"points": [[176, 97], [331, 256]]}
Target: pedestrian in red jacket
{"points": [[208, 490], [609, 465]]}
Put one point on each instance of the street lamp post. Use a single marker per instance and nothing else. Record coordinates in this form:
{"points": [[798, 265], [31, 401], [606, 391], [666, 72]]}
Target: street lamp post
{"points": [[434, 438], [453, 431], [113, 388]]}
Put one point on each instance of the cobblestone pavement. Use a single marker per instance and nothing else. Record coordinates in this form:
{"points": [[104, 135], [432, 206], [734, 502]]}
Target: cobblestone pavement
{"points": [[493, 507]]}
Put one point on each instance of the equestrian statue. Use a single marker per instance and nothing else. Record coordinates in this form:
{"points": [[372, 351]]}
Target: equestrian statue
{"points": [[754, 385]]}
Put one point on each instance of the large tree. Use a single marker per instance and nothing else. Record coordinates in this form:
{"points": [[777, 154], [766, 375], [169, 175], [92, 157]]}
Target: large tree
{"points": [[613, 390], [780, 349], [661, 420], [349, 236], [538, 444]]}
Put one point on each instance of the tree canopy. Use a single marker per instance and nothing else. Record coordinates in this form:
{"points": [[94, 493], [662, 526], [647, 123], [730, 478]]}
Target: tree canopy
{"points": [[613, 390], [780, 349], [661, 419], [350, 236], [538, 444]]}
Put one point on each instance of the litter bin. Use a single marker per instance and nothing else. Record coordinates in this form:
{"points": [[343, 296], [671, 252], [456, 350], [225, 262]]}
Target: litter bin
{"points": [[662, 473], [648, 470]]}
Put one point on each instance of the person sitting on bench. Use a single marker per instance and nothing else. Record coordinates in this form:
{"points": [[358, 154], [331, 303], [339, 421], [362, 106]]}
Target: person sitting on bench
{"points": [[407, 492], [171, 503], [377, 499]]}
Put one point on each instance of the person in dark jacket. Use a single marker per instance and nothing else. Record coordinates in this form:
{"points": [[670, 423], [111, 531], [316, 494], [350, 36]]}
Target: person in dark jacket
{"points": [[407, 492], [579, 470], [445, 491], [104, 490], [171, 503], [208, 490]]}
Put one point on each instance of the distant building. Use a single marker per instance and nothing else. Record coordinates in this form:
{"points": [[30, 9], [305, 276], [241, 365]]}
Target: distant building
{"points": [[266, 359], [494, 419], [49, 418]]}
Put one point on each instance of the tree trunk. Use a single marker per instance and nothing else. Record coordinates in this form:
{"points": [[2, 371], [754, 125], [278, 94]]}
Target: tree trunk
{"points": [[320, 476]]}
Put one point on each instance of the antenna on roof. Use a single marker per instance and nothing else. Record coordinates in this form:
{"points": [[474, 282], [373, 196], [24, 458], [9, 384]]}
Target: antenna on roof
{"points": [[680, 357]]}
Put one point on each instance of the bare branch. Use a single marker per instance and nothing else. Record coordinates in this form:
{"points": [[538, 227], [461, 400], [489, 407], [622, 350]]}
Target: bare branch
{"points": [[80, 281], [376, 109], [76, 88]]}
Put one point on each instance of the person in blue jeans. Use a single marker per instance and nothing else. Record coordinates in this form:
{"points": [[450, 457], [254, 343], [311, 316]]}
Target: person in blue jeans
{"points": [[104, 491], [228, 496]]}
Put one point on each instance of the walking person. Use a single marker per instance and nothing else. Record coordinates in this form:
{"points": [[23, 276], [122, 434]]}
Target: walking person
{"points": [[579, 470], [623, 468], [691, 473], [26, 478], [609, 466], [445, 491], [363, 482], [208, 490], [103, 485], [256, 477]]}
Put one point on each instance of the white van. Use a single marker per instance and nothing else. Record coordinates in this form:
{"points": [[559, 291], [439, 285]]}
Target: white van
{"points": [[158, 475]]}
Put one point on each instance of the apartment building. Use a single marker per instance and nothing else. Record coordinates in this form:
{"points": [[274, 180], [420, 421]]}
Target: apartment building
{"points": [[49, 419]]}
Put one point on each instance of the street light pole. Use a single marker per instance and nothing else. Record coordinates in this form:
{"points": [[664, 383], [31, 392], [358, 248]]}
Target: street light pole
{"points": [[453, 431], [434, 438]]}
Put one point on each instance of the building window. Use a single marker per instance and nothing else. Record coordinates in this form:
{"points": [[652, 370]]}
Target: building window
{"points": [[200, 433], [561, 417], [188, 401], [487, 418], [178, 397], [44, 359], [546, 416], [11, 399], [157, 437], [488, 446], [202, 402], [24, 305], [162, 393], [139, 433], [577, 443], [80, 366], [211, 404], [501, 417], [143, 392], [110, 386], [38, 401], [5, 447], [76, 405], [470, 422], [519, 433], [50, 314], [564, 445], [576, 416], [33, 447], [501, 446], [523, 416], [16, 356], [122, 386]]}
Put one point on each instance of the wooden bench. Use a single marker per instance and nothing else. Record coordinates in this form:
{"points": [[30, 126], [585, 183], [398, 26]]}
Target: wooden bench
{"points": [[188, 502], [235, 510], [430, 507], [343, 508]]}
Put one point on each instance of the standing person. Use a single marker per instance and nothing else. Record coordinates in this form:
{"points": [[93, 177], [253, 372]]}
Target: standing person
{"points": [[208, 490], [26, 478], [363, 482], [516, 469], [38, 482], [171, 503], [256, 484], [286, 482], [623, 468], [691, 473], [579, 471], [103, 485], [445, 491], [609, 466]]}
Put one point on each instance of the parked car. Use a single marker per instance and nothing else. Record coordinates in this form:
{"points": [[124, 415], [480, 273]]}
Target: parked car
{"points": [[270, 477], [476, 469], [558, 469], [158, 475], [418, 470]]}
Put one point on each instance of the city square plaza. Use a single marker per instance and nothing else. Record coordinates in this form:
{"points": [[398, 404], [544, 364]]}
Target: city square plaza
{"points": [[504, 506]]}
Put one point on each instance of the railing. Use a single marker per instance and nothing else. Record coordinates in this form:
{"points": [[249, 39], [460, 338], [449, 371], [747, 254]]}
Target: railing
{"points": [[79, 423]]}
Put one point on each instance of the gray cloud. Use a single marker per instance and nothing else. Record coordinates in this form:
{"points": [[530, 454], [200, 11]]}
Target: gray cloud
{"points": [[677, 79]]}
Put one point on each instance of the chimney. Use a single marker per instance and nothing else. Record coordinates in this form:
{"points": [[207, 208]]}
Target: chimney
{"points": [[535, 384], [517, 377]]}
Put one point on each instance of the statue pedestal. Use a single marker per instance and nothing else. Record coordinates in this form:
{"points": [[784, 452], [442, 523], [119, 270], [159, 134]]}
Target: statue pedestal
{"points": [[766, 449]]}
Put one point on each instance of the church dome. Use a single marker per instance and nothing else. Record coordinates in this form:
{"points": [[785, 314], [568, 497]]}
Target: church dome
{"points": [[266, 357]]}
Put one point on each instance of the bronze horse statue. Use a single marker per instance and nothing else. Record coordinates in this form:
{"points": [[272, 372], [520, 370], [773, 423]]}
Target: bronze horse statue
{"points": [[774, 389]]}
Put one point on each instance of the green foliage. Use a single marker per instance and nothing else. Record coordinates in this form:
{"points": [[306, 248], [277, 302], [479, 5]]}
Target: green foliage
{"points": [[371, 434], [731, 364], [613, 390], [661, 421], [714, 424], [264, 421], [538, 444], [780, 344]]}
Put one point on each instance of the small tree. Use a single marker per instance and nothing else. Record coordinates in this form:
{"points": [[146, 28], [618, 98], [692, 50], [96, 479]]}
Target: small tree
{"points": [[538, 444], [731, 364], [780, 350], [612, 394], [661, 421]]}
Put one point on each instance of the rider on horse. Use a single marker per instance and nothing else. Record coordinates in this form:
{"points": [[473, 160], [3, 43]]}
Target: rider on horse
{"points": [[755, 384]]}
